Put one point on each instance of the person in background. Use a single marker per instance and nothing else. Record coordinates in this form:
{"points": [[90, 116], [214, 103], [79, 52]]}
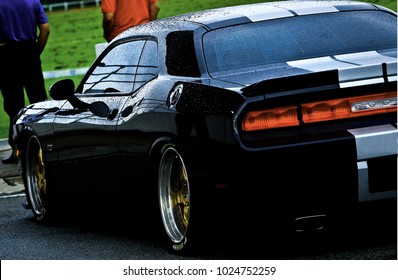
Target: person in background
{"points": [[24, 31], [119, 15]]}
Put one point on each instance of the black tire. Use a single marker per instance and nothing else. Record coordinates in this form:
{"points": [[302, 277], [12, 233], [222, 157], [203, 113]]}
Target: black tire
{"points": [[174, 191], [35, 177]]}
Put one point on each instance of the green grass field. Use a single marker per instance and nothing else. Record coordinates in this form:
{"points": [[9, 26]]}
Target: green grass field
{"points": [[75, 33]]}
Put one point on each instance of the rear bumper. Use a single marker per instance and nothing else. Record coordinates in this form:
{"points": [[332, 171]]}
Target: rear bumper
{"points": [[332, 173]]}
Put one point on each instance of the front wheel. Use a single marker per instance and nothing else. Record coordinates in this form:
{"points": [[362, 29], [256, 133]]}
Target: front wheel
{"points": [[36, 179], [174, 196]]}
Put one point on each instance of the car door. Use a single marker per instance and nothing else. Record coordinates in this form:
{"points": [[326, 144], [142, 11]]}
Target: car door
{"points": [[87, 144]]}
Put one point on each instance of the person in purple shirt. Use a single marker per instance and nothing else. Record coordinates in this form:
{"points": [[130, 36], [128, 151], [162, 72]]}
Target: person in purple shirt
{"points": [[24, 31]]}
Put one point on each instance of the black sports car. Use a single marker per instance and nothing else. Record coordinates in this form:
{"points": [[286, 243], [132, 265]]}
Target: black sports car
{"points": [[273, 113]]}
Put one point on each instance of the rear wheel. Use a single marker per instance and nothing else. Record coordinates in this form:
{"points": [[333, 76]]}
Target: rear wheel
{"points": [[174, 196], [36, 179]]}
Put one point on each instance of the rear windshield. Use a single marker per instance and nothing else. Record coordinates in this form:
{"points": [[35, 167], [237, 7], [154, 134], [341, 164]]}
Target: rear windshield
{"points": [[268, 42]]}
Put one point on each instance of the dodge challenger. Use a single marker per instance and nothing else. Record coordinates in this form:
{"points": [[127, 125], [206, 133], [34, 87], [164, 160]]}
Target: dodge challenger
{"points": [[281, 114]]}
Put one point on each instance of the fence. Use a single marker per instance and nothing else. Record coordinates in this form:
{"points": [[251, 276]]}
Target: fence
{"points": [[65, 6]]}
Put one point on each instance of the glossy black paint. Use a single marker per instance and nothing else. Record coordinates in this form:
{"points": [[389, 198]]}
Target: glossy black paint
{"points": [[107, 158]]}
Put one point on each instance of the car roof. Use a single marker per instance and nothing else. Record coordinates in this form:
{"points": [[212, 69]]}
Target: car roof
{"points": [[220, 17], [270, 10]]}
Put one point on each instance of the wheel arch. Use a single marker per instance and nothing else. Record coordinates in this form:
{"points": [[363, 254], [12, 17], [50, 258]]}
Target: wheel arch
{"points": [[22, 138], [157, 146]]}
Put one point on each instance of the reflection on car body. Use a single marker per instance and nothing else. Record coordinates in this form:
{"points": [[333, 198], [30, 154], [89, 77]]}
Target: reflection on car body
{"points": [[271, 111]]}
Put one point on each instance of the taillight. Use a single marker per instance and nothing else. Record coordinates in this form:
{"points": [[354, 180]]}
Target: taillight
{"points": [[320, 111], [264, 119]]}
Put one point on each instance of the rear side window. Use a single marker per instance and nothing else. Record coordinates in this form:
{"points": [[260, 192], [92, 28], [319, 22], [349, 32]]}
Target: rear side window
{"points": [[181, 57], [295, 38]]}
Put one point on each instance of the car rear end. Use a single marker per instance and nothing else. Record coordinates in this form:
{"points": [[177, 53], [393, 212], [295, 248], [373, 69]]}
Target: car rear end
{"points": [[325, 149], [318, 130]]}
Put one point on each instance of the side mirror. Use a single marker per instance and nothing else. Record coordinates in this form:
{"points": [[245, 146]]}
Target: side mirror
{"points": [[65, 90], [62, 90]]}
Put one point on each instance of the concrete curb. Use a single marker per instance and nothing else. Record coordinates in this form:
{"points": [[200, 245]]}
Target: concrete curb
{"points": [[10, 178], [64, 73], [4, 145]]}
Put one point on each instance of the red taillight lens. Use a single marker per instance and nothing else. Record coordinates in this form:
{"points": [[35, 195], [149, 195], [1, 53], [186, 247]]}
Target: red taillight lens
{"points": [[265, 119], [321, 111]]}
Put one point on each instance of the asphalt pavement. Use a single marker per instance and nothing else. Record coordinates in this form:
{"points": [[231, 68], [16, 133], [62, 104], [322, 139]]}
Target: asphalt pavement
{"points": [[10, 178]]}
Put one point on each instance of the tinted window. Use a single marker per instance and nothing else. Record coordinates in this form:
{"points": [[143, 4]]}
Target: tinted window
{"points": [[297, 38], [124, 68], [148, 64], [181, 57]]}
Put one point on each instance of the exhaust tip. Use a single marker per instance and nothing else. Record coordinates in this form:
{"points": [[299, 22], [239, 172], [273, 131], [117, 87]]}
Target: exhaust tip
{"points": [[310, 223]]}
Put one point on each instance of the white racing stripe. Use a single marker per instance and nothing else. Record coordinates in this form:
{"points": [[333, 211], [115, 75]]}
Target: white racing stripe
{"points": [[376, 141], [362, 75], [345, 61], [366, 58], [373, 142], [354, 69], [312, 10], [318, 64], [255, 14]]}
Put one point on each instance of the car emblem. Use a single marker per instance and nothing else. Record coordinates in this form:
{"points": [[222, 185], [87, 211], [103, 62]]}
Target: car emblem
{"points": [[50, 147]]}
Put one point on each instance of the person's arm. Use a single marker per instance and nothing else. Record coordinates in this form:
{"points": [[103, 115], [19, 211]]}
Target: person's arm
{"points": [[107, 25], [153, 11], [44, 33]]}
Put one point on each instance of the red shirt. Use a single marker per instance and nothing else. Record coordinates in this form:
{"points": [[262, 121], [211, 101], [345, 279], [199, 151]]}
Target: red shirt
{"points": [[127, 13]]}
